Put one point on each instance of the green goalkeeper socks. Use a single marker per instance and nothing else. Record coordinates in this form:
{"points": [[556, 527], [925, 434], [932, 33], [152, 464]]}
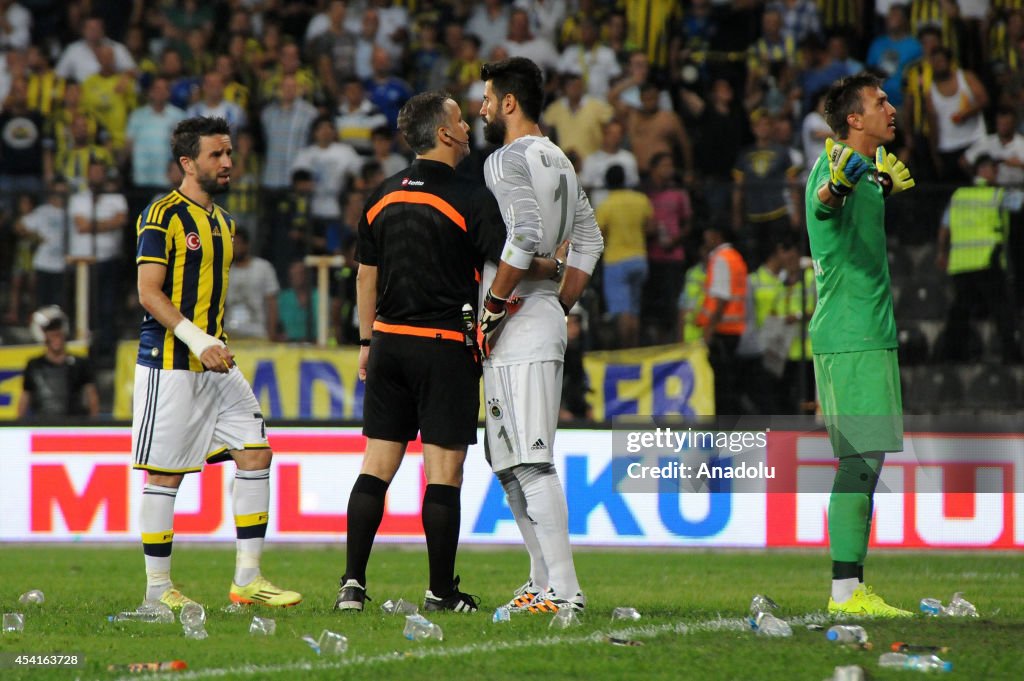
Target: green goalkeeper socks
{"points": [[850, 507]]}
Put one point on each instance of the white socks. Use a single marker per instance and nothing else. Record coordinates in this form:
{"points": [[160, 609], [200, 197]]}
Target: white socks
{"points": [[842, 589], [251, 502], [517, 502], [157, 535], [546, 506]]}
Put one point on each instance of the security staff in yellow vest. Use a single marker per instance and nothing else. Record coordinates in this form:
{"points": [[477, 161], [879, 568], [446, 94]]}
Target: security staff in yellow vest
{"points": [[763, 391], [972, 243], [796, 305], [691, 301]]}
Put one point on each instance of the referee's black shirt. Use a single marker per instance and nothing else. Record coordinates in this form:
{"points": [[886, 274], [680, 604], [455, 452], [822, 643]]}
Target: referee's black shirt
{"points": [[428, 233]]}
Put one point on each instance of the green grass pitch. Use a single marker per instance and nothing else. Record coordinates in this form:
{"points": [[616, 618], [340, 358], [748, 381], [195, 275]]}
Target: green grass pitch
{"points": [[692, 603]]}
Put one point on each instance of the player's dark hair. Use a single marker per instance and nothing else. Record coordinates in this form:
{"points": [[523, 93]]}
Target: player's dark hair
{"points": [[420, 118], [519, 77], [243, 234], [186, 135], [301, 175], [843, 99]]}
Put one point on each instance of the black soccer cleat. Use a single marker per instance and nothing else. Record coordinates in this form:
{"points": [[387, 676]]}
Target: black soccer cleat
{"points": [[351, 596], [456, 602]]}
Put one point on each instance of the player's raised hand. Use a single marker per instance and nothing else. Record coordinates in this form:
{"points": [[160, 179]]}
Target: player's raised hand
{"points": [[845, 167], [893, 174]]}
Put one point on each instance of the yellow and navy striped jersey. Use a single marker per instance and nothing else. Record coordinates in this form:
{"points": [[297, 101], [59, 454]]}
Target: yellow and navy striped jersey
{"points": [[196, 247], [652, 23]]}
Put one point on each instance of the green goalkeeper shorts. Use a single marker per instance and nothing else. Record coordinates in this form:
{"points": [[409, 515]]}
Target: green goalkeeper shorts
{"points": [[860, 401]]}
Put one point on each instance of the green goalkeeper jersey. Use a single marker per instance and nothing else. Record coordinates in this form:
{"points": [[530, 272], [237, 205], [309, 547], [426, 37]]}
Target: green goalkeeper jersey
{"points": [[851, 267]]}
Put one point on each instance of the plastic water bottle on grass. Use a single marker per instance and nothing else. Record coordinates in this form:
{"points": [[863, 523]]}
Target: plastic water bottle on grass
{"points": [[767, 624], [630, 614], [922, 663], [332, 643], [419, 628], [847, 633], [502, 614], [961, 607], [150, 612], [565, 618], [33, 596], [193, 621], [262, 626]]}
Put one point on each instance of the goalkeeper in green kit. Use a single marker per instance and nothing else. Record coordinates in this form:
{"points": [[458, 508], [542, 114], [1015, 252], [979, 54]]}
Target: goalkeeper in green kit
{"points": [[853, 330]]}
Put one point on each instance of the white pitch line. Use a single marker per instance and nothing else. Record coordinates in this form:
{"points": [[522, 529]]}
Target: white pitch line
{"points": [[649, 631]]}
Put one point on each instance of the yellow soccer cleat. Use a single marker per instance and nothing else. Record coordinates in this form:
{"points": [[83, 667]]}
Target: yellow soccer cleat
{"points": [[865, 603], [174, 599], [260, 590]]}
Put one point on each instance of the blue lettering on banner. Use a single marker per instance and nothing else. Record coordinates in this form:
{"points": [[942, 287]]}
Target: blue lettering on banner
{"points": [[310, 373], [613, 375], [584, 497], [5, 397], [264, 379], [493, 509], [664, 403], [719, 505], [357, 400]]}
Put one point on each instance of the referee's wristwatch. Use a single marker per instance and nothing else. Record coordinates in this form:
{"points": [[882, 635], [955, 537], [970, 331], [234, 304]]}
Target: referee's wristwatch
{"points": [[559, 270]]}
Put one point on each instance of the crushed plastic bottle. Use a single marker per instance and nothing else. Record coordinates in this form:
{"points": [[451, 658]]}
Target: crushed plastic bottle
{"points": [[761, 603], [847, 633], [151, 612], [960, 607], [332, 643], [13, 622], [262, 626], [193, 621], [923, 663], [565, 618], [399, 607], [851, 672], [312, 643], [502, 614], [626, 614], [767, 624], [419, 628], [33, 596], [235, 608]]}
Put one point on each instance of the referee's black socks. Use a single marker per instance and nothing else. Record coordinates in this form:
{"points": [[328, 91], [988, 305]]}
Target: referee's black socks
{"points": [[442, 516], [365, 511]]}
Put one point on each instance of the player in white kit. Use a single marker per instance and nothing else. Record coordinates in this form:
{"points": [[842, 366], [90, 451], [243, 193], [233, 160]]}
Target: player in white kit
{"points": [[543, 205]]}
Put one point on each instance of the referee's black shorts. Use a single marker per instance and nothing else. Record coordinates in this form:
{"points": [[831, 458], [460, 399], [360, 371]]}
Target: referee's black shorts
{"points": [[421, 384]]}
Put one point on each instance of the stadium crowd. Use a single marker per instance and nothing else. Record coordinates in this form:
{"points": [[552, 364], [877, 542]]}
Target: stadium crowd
{"points": [[678, 116]]}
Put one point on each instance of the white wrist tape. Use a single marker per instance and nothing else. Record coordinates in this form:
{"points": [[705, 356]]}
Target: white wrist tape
{"points": [[516, 257], [197, 340]]}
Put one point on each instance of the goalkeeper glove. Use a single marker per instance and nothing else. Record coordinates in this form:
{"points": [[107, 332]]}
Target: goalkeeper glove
{"points": [[893, 174], [494, 311], [845, 167]]}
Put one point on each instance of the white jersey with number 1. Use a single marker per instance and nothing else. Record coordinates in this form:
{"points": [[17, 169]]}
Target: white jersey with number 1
{"points": [[543, 204]]}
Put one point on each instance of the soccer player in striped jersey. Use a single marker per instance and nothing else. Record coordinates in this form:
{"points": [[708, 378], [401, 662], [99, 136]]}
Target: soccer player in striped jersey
{"points": [[543, 205], [191, 403]]}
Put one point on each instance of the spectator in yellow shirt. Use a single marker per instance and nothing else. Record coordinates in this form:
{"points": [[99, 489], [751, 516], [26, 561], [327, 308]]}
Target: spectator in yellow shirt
{"points": [[109, 96], [626, 219], [578, 119]]}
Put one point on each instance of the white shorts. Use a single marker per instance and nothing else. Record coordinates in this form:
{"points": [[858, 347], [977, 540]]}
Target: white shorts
{"points": [[523, 402], [183, 419]]}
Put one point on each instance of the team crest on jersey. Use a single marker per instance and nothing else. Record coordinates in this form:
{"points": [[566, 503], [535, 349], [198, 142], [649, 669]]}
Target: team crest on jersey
{"points": [[192, 241], [494, 409]]}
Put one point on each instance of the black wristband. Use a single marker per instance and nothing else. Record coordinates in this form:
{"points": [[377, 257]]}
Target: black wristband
{"points": [[885, 182], [838, 191], [364, 342]]}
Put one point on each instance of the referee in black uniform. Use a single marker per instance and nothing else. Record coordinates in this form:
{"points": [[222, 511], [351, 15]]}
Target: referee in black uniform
{"points": [[422, 243]]}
